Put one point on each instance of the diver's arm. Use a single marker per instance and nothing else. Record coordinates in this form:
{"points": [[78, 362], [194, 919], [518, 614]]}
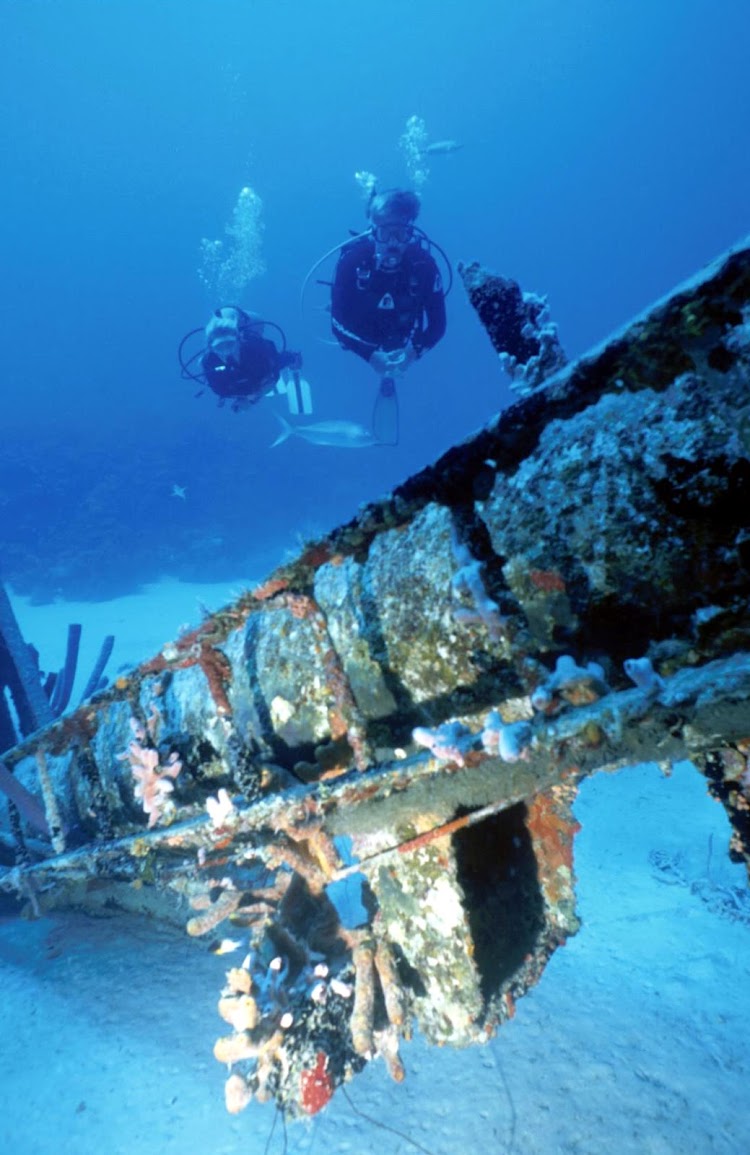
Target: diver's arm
{"points": [[435, 328], [290, 360], [262, 362], [345, 299], [434, 320]]}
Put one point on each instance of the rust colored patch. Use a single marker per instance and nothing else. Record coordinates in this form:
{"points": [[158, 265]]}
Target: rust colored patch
{"points": [[334, 772], [196, 649], [316, 554], [218, 671], [547, 580], [156, 665], [76, 729], [199, 636], [552, 829], [443, 831], [267, 589], [343, 716]]}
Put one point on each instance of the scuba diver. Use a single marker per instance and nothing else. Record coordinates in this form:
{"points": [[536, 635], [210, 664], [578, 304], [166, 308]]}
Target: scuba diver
{"points": [[241, 365], [387, 298]]}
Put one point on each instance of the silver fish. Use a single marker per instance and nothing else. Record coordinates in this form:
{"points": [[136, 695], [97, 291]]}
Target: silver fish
{"points": [[342, 434], [443, 146]]}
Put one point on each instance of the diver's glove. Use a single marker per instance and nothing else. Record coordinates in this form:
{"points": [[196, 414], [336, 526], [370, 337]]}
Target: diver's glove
{"points": [[380, 362], [408, 356], [396, 361], [291, 360]]}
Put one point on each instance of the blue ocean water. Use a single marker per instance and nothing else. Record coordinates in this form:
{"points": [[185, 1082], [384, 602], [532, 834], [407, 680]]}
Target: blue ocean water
{"points": [[603, 161]]}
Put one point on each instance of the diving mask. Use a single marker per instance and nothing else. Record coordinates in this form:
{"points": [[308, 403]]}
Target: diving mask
{"points": [[393, 234]]}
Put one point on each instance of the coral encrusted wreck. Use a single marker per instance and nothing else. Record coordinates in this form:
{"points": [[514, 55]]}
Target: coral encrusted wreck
{"points": [[409, 706]]}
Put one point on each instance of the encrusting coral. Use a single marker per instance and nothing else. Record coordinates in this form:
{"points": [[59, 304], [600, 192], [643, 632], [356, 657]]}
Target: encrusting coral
{"points": [[468, 581], [304, 975], [153, 782]]}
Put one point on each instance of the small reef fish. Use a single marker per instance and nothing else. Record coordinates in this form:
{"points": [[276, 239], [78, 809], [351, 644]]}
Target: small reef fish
{"points": [[225, 946], [342, 434], [442, 146]]}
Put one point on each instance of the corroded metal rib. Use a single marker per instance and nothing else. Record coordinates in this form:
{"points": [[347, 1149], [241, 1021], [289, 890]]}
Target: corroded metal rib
{"points": [[564, 592]]}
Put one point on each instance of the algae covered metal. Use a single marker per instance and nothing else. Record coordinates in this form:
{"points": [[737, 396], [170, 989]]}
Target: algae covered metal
{"points": [[358, 778]]}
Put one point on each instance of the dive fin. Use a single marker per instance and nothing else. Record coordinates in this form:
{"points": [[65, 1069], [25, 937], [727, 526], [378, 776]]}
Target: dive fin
{"points": [[385, 413], [286, 431]]}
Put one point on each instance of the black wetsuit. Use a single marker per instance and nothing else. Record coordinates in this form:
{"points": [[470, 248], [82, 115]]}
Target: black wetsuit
{"points": [[376, 308], [257, 372]]}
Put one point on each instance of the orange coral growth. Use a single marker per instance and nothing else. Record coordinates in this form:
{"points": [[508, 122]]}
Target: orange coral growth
{"points": [[386, 1045], [300, 859], [385, 965], [237, 1094], [239, 980], [216, 911], [334, 772], [235, 1048], [363, 1011], [319, 849], [240, 1011]]}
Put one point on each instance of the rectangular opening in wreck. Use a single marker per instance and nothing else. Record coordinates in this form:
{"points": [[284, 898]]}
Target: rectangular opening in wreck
{"points": [[497, 871]]}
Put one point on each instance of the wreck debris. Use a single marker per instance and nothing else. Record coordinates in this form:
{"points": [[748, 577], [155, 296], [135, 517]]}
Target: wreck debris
{"points": [[51, 809], [409, 707], [518, 324]]}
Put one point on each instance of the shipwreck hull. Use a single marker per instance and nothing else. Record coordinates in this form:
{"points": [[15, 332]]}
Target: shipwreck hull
{"points": [[412, 702]]}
